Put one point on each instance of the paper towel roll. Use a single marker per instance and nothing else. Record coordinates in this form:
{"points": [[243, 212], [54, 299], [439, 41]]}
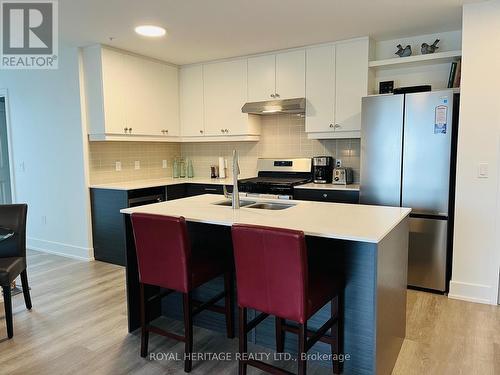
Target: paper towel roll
{"points": [[222, 168]]}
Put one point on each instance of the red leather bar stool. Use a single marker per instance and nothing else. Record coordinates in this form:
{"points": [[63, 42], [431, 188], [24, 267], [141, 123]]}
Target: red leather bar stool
{"points": [[273, 277], [165, 259]]}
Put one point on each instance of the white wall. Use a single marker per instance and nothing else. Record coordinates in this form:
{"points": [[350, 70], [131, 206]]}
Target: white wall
{"points": [[48, 146], [476, 252]]}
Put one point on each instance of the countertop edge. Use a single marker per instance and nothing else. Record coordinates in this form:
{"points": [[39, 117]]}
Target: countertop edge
{"points": [[406, 213], [170, 181], [313, 186]]}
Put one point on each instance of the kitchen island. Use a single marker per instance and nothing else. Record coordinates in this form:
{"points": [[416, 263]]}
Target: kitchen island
{"points": [[368, 244]]}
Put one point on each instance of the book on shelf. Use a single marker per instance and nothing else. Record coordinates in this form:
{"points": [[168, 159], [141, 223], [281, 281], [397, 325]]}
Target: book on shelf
{"points": [[451, 78], [458, 74], [455, 74]]}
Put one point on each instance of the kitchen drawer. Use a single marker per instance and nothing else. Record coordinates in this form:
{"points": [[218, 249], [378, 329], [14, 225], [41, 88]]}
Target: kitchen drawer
{"points": [[199, 189], [176, 191], [334, 196]]}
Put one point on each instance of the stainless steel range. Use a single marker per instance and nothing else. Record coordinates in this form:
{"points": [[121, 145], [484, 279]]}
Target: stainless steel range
{"points": [[277, 177]]}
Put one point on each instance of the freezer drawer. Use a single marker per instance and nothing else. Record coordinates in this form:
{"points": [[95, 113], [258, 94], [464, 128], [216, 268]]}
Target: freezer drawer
{"points": [[427, 253]]}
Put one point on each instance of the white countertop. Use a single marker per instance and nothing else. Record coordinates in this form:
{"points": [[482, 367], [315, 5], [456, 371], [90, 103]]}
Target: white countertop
{"points": [[143, 184], [351, 187], [331, 220]]}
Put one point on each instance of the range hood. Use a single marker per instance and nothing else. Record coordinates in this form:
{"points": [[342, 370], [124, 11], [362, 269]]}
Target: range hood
{"points": [[269, 107]]}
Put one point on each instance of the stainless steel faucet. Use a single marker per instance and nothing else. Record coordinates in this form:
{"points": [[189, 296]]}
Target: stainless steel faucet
{"points": [[236, 172], [235, 195]]}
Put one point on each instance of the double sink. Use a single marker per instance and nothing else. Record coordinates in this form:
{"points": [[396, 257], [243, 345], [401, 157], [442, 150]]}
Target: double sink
{"points": [[257, 205]]}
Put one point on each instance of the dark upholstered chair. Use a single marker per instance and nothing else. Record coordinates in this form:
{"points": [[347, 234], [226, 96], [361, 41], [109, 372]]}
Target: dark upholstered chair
{"points": [[273, 276], [166, 260], [13, 257]]}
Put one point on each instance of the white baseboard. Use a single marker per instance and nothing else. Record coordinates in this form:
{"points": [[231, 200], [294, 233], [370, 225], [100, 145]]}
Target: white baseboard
{"points": [[62, 249], [476, 293]]}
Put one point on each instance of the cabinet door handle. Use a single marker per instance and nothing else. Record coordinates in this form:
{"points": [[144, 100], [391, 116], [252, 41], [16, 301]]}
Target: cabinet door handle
{"points": [[337, 126], [276, 95], [210, 189], [166, 131], [201, 131], [130, 130], [125, 130], [222, 130], [273, 95], [226, 131], [325, 195], [331, 125]]}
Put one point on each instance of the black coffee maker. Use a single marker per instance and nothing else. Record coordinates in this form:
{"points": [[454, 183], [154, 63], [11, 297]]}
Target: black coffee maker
{"points": [[323, 169]]}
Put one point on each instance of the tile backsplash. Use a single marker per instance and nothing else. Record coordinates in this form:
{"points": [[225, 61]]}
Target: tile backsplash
{"points": [[282, 136], [104, 155]]}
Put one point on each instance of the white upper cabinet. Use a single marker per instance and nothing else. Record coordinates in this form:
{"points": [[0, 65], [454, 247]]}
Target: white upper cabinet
{"points": [[152, 106], [280, 76], [105, 91], [130, 96], [261, 78], [351, 66], [336, 80], [291, 74], [191, 101], [225, 92], [320, 89]]}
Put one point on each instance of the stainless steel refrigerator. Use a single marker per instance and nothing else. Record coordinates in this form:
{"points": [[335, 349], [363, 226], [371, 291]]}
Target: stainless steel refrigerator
{"points": [[408, 159]]}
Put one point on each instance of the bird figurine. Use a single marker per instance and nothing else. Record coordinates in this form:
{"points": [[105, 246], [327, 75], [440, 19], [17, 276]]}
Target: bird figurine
{"points": [[429, 48], [403, 52]]}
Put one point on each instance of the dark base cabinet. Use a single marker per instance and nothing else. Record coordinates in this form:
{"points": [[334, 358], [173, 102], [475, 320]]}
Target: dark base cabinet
{"points": [[108, 227], [334, 196]]}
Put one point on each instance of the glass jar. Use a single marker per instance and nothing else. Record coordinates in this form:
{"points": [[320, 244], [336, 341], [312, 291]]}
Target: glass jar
{"points": [[175, 172], [190, 169]]}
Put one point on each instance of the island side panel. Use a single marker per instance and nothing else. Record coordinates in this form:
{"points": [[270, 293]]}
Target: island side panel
{"points": [[392, 268]]}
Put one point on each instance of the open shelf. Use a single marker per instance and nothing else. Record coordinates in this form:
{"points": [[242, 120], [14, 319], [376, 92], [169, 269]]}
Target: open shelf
{"points": [[432, 58]]}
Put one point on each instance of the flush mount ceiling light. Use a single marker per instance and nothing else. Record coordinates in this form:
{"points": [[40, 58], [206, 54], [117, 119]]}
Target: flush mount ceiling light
{"points": [[150, 30]]}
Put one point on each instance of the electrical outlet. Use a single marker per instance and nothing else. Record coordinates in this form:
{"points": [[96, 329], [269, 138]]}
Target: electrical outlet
{"points": [[164, 164], [338, 163], [137, 164], [118, 166]]}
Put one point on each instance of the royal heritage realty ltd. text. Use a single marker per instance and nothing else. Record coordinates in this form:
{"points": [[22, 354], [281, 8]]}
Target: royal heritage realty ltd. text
{"points": [[229, 356]]}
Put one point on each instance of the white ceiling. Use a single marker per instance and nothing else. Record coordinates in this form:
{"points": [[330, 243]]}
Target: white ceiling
{"points": [[200, 30]]}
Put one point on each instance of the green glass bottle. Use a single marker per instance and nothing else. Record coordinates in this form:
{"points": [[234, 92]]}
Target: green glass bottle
{"points": [[190, 172], [175, 172]]}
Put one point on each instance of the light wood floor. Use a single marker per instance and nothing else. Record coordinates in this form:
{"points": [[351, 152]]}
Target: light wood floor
{"points": [[78, 326]]}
